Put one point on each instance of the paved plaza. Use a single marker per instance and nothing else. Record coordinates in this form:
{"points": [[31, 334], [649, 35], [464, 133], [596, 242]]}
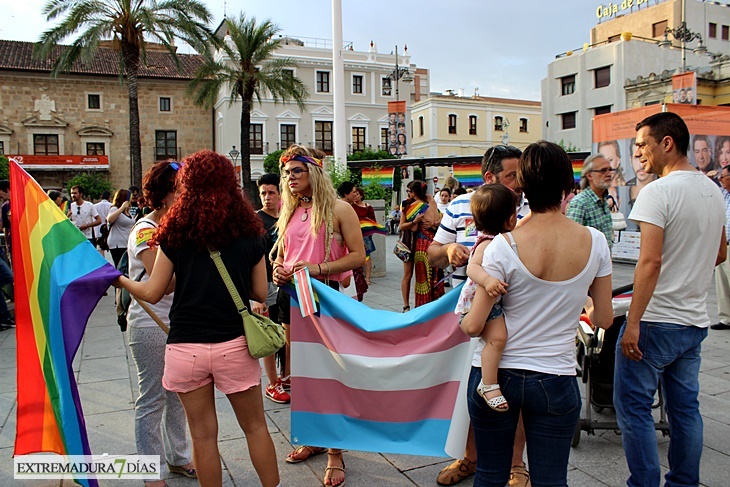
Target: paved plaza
{"points": [[108, 386]]}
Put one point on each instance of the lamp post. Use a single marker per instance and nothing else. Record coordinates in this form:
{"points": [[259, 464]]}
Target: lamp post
{"points": [[233, 154], [683, 34], [399, 73]]}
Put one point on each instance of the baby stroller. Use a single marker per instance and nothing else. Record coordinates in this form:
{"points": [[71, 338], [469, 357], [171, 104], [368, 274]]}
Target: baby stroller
{"points": [[595, 354]]}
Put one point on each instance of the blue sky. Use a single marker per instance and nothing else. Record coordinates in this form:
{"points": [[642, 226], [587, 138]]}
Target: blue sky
{"points": [[501, 47]]}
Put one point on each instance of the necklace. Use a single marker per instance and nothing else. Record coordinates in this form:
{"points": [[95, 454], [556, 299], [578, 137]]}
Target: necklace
{"points": [[305, 215], [305, 199]]}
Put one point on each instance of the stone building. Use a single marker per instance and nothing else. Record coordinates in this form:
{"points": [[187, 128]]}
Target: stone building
{"points": [[80, 122]]}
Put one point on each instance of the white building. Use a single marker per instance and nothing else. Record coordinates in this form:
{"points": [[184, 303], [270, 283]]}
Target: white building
{"points": [[368, 89], [592, 80]]}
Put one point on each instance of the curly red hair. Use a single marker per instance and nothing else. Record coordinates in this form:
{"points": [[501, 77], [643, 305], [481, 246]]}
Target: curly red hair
{"points": [[211, 209]]}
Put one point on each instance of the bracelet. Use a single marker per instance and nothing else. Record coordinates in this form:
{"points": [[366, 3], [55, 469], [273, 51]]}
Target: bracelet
{"points": [[328, 267], [319, 270]]}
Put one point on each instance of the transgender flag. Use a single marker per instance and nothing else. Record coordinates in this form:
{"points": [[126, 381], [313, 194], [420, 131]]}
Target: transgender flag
{"points": [[380, 381]]}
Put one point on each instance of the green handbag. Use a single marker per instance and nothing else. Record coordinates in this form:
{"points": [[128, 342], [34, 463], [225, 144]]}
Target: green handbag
{"points": [[263, 336]]}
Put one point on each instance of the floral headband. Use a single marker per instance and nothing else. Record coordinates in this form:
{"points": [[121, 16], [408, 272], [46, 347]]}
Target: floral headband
{"points": [[296, 157]]}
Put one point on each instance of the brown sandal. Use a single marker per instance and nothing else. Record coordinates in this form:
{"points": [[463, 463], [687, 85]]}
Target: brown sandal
{"points": [[329, 469], [519, 476], [294, 457], [456, 472]]}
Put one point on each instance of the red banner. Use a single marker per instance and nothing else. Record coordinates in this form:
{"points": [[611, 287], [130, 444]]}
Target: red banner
{"points": [[61, 162], [684, 88]]}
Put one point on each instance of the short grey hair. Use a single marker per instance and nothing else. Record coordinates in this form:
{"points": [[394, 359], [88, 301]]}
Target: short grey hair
{"points": [[588, 167]]}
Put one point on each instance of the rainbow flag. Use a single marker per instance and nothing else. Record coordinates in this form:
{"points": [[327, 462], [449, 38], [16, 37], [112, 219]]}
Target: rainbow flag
{"points": [[382, 176], [370, 227], [577, 169], [59, 279], [64, 207], [469, 174], [414, 209], [380, 381]]}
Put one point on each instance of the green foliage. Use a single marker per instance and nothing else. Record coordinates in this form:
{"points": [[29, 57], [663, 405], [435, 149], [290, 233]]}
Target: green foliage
{"points": [[271, 162], [339, 173], [92, 183], [4, 170], [369, 155], [568, 147], [417, 174], [375, 191]]}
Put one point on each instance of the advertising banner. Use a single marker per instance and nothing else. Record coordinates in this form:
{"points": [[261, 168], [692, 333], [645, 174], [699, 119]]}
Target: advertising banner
{"points": [[614, 137], [684, 88], [30, 161], [397, 138]]}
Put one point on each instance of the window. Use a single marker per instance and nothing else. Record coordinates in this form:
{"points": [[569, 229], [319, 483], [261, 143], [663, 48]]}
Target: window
{"points": [[323, 81], [568, 120], [383, 138], [357, 83], [45, 145], [358, 139], [95, 148], [602, 110], [289, 73], [165, 145], [602, 77], [658, 28], [614, 38], [323, 136], [472, 124], [288, 135], [94, 101], [165, 104], [725, 32], [655, 102], [498, 124], [452, 123], [420, 126], [712, 30], [256, 136], [568, 85], [523, 125], [2, 147], [386, 87]]}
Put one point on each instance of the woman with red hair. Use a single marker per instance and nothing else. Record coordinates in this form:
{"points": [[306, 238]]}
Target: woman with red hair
{"points": [[206, 345]]}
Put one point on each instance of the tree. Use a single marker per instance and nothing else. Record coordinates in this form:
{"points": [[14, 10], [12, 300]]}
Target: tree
{"points": [[126, 23], [251, 71], [568, 146], [271, 162], [92, 183]]}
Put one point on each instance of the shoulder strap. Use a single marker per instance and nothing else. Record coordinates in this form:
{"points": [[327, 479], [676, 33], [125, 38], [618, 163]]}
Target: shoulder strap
{"points": [[512, 243], [216, 256]]}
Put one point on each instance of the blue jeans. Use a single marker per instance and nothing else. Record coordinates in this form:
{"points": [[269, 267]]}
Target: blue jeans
{"points": [[550, 406], [672, 356], [6, 277]]}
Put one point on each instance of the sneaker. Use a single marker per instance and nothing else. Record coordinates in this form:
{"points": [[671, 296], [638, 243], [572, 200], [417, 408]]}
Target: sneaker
{"points": [[277, 393], [8, 323], [716, 326], [285, 382]]}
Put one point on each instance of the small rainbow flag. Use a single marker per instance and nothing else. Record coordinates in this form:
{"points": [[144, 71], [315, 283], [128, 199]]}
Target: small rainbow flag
{"points": [[382, 176], [64, 207], [577, 169], [469, 174], [414, 209], [370, 227], [59, 279]]}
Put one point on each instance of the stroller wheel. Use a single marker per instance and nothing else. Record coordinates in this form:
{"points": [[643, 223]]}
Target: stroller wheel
{"points": [[576, 435]]}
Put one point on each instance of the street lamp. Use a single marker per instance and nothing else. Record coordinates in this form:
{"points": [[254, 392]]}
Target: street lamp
{"points": [[399, 73], [233, 154]]}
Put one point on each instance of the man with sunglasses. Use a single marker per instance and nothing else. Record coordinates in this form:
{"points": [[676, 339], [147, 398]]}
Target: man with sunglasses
{"points": [[589, 207], [451, 246], [83, 214]]}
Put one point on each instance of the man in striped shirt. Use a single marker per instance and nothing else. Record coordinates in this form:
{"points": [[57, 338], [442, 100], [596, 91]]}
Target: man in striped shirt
{"points": [[452, 246]]}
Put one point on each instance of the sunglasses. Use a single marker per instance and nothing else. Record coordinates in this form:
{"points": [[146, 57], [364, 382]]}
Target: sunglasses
{"points": [[604, 170], [78, 210]]}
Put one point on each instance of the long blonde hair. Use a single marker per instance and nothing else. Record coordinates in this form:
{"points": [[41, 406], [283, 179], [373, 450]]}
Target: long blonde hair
{"points": [[324, 198]]}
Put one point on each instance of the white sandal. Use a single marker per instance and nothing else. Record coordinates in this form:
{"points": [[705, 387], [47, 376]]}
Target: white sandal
{"points": [[494, 402]]}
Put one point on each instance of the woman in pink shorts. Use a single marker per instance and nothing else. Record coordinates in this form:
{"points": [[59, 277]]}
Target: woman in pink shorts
{"points": [[206, 346]]}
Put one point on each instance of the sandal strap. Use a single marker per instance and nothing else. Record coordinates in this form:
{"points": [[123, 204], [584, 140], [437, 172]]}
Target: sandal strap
{"points": [[488, 387], [342, 469]]}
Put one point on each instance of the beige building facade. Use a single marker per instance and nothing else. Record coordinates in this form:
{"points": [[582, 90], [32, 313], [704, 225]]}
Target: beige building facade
{"points": [[80, 121], [449, 124]]}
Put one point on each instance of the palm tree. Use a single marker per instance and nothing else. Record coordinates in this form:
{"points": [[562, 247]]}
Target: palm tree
{"points": [[252, 71], [127, 23]]}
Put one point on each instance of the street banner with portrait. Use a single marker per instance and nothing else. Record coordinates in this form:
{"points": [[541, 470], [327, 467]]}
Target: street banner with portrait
{"points": [[684, 88], [614, 137], [397, 138]]}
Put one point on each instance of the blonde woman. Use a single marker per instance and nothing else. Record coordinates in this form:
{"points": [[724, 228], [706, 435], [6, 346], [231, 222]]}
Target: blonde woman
{"points": [[322, 233]]}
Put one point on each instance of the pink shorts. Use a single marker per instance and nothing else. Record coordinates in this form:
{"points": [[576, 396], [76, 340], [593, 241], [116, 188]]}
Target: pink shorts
{"points": [[190, 366]]}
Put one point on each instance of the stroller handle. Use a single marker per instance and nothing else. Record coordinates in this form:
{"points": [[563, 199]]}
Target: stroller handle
{"points": [[622, 290]]}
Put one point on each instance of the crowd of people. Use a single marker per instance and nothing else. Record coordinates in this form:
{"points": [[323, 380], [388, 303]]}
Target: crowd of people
{"points": [[527, 275]]}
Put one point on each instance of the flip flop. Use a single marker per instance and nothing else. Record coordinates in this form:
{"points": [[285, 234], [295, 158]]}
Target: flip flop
{"points": [[293, 457], [328, 470]]}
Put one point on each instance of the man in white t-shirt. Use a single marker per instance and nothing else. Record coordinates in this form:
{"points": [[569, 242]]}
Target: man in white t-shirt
{"points": [[682, 219], [83, 214], [452, 246], [102, 207]]}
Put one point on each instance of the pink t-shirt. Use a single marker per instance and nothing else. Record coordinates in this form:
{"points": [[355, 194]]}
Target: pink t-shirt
{"points": [[300, 244]]}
